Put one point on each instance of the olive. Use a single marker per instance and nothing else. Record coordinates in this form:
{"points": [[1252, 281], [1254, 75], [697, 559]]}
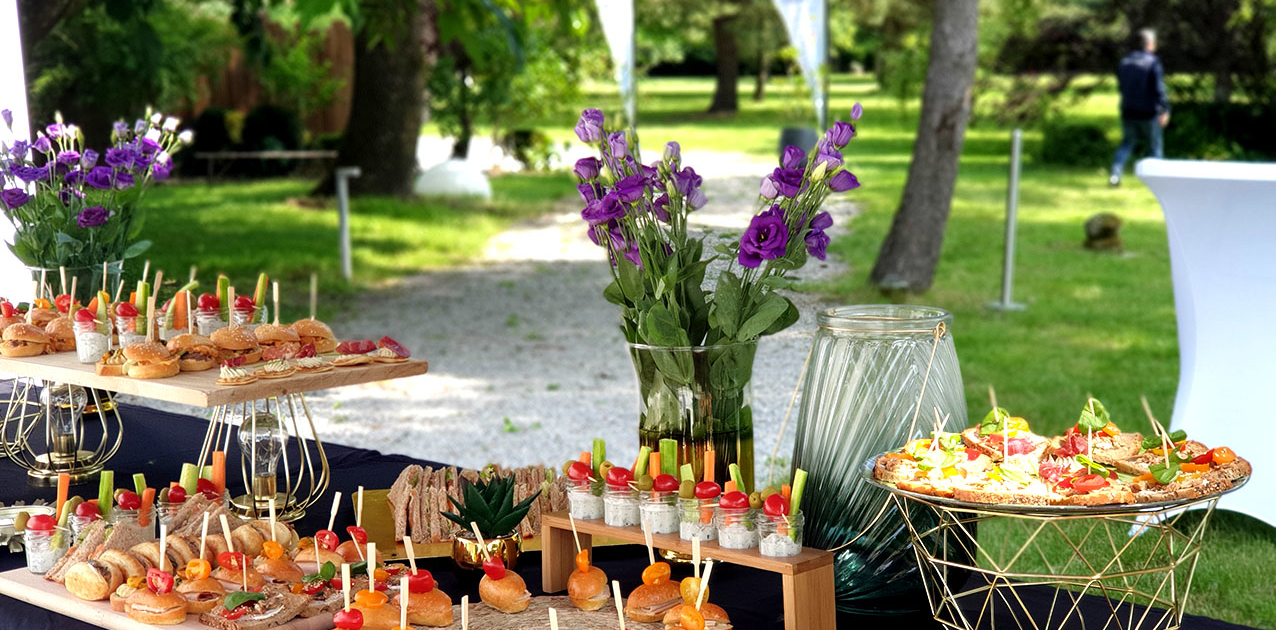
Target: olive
{"points": [[69, 508], [116, 495], [163, 495], [768, 491], [755, 500], [567, 467], [645, 483], [20, 522], [603, 468], [687, 490]]}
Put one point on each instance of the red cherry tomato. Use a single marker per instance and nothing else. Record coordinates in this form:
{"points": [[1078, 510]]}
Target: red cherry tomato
{"points": [[311, 588], [494, 568], [232, 560], [617, 476], [244, 301], [159, 582], [125, 309], [708, 490], [1204, 458], [237, 612], [348, 619], [177, 494], [6, 309], [87, 509], [734, 500], [209, 302], [128, 500], [381, 585], [358, 534], [84, 315], [63, 302], [205, 487], [41, 523], [972, 454], [665, 483], [580, 471], [420, 581], [1088, 483], [776, 505], [327, 539], [394, 570], [335, 583]]}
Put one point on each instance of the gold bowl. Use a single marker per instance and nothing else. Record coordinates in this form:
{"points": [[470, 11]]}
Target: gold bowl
{"points": [[467, 553]]}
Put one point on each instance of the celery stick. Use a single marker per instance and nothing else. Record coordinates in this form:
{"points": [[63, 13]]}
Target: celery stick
{"points": [[644, 457], [734, 470], [206, 473], [105, 492], [599, 456], [799, 483], [172, 310], [189, 478], [668, 456], [223, 295], [139, 483], [688, 471], [259, 297]]}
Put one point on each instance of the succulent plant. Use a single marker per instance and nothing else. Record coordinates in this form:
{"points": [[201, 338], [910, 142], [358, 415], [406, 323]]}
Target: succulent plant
{"points": [[491, 505]]}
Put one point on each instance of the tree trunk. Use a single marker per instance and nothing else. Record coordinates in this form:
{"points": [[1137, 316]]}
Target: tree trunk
{"points": [[461, 146], [764, 73], [911, 250], [725, 96], [37, 18], [386, 109]]}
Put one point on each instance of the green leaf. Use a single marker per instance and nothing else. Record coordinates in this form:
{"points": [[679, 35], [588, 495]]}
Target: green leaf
{"points": [[726, 303], [137, 249], [1094, 416], [327, 572], [994, 421], [630, 278], [1093, 466], [771, 308], [237, 598], [64, 238], [1165, 471], [1154, 441], [613, 294], [661, 327], [675, 366], [789, 318]]}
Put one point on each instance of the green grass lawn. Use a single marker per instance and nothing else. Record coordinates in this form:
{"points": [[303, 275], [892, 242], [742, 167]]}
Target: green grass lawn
{"points": [[244, 228]]}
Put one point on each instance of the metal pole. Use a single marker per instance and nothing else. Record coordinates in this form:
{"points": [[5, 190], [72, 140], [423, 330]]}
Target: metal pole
{"points": [[1012, 214], [342, 177]]}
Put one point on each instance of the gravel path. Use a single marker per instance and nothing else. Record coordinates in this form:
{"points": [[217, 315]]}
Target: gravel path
{"points": [[527, 362]]}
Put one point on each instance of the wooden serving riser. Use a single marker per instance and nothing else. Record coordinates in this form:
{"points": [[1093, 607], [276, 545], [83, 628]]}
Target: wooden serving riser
{"points": [[200, 389], [807, 578]]}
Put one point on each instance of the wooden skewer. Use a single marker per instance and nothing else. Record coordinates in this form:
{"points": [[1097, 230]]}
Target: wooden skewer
{"points": [[163, 545], [230, 309], [314, 294], [372, 565], [704, 583], [403, 602], [479, 537], [273, 536], [39, 291], [332, 516], [70, 310], [276, 291], [646, 534], [203, 535], [150, 317], [105, 269], [345, 584], [146, 270], [190, 315], [572, 520], [358, 508], [62, 273], [695, 556], [620, 602], [230, 542], [407, 542], [119, 288], [553, 619], [465, 612]]}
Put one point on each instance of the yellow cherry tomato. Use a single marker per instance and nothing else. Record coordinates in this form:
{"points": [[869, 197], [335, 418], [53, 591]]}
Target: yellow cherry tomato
{"points": [[370, 599], [1111, 429], [656, 573], [306, 543], [42, 303], [1015, 424], [380, 575], [582, 561], [198, 569], [272, 550], [691, 618], [136, 581], [951, 471], [1223, 455], [297, 588], [690, 590]]}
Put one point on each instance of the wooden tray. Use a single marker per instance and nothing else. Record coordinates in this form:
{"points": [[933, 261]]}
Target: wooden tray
{"points": [[200, 388]]}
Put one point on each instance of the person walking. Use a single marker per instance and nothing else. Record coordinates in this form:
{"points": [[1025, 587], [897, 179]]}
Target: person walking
{"points": [[1145, 107]]}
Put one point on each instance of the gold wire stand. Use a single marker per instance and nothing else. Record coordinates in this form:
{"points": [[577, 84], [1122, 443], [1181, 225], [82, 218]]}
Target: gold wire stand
{"points": [[24, 414], [304, 463], [1136, 556]]}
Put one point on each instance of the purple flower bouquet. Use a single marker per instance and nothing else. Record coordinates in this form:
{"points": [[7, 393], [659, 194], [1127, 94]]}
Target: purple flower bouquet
{"points": [[689, 342]]}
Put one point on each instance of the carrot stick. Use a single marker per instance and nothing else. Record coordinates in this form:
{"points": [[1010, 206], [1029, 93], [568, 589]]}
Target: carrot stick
{"points": [[219, 471], [708, 464], [586, 458], [144, 513], [64, 488], [653, 468], [729, 486], [787, 491]]}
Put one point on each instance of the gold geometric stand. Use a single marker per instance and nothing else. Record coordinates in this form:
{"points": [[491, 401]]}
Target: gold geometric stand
{"points": [[31, 440], [1123, 555]]}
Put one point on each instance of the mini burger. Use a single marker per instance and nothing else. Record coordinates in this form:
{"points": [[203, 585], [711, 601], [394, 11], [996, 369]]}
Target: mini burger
{"points": [[156, 609], [588, 589], [316, 332], [195, 353], [715, 618], [650, 602], [42, 316], [237, 341], [148, 359], [235, 578], [427, 605], [61, 334], [279, 570], [202, 595], [271, 335], [24, 340], [508, 594]]}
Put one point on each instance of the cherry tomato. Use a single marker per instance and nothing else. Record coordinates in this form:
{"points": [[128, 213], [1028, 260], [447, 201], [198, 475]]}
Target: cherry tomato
{"points": [[198, 569], [690, 589], [125, 309], [159, 582], [582, 561], [84, 315], [735, 500], [208, 302], [381, 586], [63, 302], [1224, 455], [380, 575], [335, 583], [1087, 483], [665, 483], [327, 539], [776, 505], [243, 608], [580, 471], [311, 588], [1204, 458], [232, 560], [617, 476], [42, 303], [244, 302], [972, 454], [420, 581], [272, 550], [691, 619], [6, 309], [358, 534], [370, 599], [494, 568], [128, 500], [709, 490], [205, 487], [348, 619], [41, 523], [89, 510], [394, 570], [656, 573]]}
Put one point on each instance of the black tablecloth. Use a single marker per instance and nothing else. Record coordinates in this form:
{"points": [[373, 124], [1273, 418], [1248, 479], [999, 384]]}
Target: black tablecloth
{"points": [[156, 443]]}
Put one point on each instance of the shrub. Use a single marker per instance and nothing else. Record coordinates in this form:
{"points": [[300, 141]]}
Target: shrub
{"points": [[270, 128], [1074, 144], [1220, 131]]}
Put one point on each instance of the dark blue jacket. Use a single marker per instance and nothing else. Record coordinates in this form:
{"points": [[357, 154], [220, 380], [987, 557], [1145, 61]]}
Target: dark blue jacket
{"points": [[1142, 83]]}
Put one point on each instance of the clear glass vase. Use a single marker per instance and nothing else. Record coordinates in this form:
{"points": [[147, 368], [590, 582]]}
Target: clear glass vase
{"points": [[88, 279], [861, 394], [699, 396]]}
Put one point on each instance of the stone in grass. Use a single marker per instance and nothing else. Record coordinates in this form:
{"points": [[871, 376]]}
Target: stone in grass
{"points": [[454, 178], [1103, 233]]}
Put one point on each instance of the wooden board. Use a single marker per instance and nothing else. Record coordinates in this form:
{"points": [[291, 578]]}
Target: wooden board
{"points": [[200, 388], [536, 617], [26, 586]]}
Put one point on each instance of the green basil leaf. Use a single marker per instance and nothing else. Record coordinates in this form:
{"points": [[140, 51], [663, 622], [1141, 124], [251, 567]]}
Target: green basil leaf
{"points": [[993, 422], [1094, 466], [238, 598], [1014, 475], [1154, 441], [1164, 472], [1094, 416]]}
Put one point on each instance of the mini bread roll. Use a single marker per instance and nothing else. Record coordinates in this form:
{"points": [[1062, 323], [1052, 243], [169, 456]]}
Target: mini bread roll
{"points": [[508, 594], [183, 549], [149, 553], [129, 564], [214, 545], [353, 552], [202, 595], [307, 557], [433, 608], [248, 539], [93, 580], [168, 609], [588, 591], [234, 580]]}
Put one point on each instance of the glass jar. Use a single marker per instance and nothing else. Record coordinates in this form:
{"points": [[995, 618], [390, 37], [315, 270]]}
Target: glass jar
{"points": [[45, 547], [90, 343], [780, 536], [119, 516], [208, 321], [583, 503], [697, 519], [660, 511], [620, 506], [130, 329], [79, 523], [243, 317], [167, 510], [737, 528]]}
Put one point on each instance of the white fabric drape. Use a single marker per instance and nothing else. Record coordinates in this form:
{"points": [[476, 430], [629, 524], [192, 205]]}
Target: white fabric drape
{"points": [[805, 21], [617, 17], [15, 283]]}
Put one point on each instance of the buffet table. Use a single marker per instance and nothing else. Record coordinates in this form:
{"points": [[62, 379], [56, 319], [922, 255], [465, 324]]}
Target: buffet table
{"points": [[752, 597]]}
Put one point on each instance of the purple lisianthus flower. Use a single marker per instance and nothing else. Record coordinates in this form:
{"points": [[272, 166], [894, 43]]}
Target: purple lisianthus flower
{"points": [[67, 194], [590, 126], [121, 128], [140, 127], [629, 189], [603, 210], [55, 130], [817, 243], [696, 199], [619, 146], [634, 255], [788, 181], [148, 146], [42, 145], [843, 181], [765, 239], [587, 168], [614, 234], [7, 115], [123, 181], [30, 174], [14, 198], [661, 207], [99, 178], [840, 134], [686, 180], [793, 156], [856, 111], [673, 154], [822, 221], [88, 159], [588, 191], [120, 158], [92, 216], [652, 173], [161, 170], [19, 149], [829, 156], [67, 158], [74, 177], [768, 190]]}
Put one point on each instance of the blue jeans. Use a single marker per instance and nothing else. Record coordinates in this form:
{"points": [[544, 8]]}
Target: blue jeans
{"points": [[1135, 132]]}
